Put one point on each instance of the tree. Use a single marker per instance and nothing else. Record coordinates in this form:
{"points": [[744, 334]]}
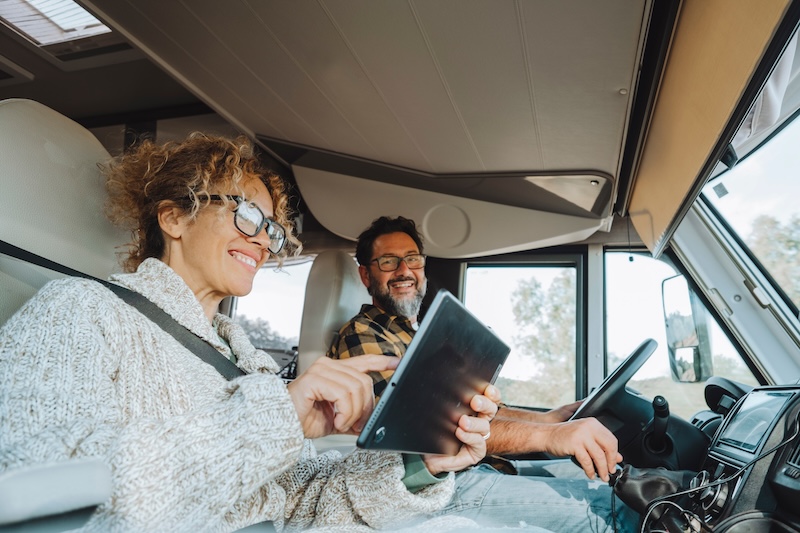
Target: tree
{"points": [[546, 320], [777, 246], [263, 336]]}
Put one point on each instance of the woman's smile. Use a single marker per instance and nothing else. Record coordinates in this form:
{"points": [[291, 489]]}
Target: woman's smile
{"points": [[246, 259]]}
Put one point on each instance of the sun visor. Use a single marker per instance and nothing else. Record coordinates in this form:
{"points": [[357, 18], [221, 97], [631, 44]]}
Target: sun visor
{"points": [[715, 52], [452, 226]]}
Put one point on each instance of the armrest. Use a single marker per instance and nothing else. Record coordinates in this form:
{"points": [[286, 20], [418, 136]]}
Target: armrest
{"points": [[42, 490]]}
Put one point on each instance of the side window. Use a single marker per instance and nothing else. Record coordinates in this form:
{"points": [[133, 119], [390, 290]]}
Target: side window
{"points": [[757, 199], [635, 311], [271, 313], [534, 310]]}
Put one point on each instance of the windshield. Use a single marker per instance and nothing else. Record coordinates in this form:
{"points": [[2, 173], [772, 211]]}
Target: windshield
{"points": [[759, 199]]}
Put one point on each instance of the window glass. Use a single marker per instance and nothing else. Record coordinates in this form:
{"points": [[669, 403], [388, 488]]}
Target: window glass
{"points": [[635, 312], [533, 309], [272, 312], [758, 200]]}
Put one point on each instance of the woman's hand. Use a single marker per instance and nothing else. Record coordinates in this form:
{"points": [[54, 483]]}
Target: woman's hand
{"points": [[472, 431], [335, 396]]}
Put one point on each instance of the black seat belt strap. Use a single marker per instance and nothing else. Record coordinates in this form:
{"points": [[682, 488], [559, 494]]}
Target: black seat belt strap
{"points": [[192, 342]]}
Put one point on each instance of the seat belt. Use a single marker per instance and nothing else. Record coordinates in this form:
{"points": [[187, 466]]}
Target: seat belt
{"points": [[189, 340], [192, 342]]}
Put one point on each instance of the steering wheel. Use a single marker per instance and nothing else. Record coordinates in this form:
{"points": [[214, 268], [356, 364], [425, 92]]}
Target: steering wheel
{"points": [[626, 413], [597, 400]]}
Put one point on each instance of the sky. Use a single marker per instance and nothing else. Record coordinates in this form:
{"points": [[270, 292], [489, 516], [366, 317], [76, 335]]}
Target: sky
{"points": [[488, 296], [278, 296], [748, 195]]}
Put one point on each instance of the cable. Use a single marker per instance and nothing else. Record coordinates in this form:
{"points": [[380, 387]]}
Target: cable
{"points": [[652, 507], [289, 374], [613, 510], [664, 499], [628, 227], [291, 366]]}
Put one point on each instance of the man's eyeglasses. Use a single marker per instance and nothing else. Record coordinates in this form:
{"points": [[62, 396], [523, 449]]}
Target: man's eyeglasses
{"points": [[250, 220], [390, 263]]}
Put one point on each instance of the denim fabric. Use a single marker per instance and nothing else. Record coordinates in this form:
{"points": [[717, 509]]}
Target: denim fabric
{"points": [[563, 468], [572, 505]]}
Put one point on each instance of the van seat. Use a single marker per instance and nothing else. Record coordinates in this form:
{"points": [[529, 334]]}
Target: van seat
{"points": [[51, 206], [334, 295], [52, 201], [53, 497]]}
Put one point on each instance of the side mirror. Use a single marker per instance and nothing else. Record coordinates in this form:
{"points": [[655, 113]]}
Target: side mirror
{"points": [[688, 342]]}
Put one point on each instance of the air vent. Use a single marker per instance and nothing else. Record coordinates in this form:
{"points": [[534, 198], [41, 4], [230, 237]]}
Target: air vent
{"points": [[794, 460]]}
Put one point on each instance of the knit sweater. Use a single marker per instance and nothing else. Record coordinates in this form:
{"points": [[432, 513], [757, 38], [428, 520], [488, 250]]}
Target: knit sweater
{"points": [[82, 374]]}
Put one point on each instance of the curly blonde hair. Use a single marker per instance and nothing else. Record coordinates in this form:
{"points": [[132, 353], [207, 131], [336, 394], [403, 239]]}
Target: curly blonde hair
{"points": [[185, 173]]}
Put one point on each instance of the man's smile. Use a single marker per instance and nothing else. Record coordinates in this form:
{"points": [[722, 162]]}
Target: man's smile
{"points": [[402, 285]]}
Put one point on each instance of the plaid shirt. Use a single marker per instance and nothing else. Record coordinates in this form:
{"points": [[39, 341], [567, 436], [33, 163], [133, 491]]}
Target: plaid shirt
{"points": [[372, 331]]}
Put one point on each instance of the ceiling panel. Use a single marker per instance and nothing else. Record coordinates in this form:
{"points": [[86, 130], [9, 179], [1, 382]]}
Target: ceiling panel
{"points": [[583, 90], [441, 87], [392, 48], [342, 62], [481, 60]]}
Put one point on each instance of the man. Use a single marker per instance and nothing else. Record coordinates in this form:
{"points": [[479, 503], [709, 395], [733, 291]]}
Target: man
{"points": [[391, 266]]}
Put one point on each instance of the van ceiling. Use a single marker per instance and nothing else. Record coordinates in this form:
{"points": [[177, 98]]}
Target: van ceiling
{"points": [[524, 103], [488, 88]]}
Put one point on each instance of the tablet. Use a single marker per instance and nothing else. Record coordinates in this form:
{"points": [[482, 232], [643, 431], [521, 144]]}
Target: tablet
{"points": [[452, 357]]}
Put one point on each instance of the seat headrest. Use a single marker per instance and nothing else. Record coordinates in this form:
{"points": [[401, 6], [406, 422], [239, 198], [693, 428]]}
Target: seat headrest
{"points": [[334, 295], [53, 192]]}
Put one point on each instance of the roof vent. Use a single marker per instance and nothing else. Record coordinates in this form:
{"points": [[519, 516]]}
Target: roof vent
{"points": [[62, 30], [46, 22], [87, 47]]}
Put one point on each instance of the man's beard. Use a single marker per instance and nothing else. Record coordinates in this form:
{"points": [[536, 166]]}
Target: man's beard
{"points": [[407, 307]]}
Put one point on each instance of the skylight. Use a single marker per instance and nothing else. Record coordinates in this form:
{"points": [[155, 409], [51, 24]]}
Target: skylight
{"points": [[47, 22]]}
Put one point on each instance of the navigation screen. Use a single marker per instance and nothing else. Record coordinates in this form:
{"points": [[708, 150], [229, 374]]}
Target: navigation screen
{"points": [[752, 421]]}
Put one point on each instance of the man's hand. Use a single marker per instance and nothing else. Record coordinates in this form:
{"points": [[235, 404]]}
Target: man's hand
{"points": [[472, 431], [335, 396], [590, 442]]}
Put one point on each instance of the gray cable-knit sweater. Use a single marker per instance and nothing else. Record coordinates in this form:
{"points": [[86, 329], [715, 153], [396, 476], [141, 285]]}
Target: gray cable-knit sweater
{"points": [[84, 374]]}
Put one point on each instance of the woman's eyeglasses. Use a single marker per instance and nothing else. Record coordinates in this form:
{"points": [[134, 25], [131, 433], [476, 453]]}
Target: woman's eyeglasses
{"points": [[250, 220]]}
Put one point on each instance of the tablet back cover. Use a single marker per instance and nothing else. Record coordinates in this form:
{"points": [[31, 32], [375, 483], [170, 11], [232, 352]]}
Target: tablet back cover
{"points": [[452, 357]]}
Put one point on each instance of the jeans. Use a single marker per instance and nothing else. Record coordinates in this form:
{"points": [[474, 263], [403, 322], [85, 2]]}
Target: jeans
{"points": [[556, 504]]}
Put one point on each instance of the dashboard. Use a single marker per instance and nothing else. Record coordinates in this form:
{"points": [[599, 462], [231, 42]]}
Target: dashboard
{"points": [[750, 478]]}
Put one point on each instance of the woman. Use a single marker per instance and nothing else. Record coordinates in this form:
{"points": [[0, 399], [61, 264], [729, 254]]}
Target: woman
{"points": [[84, 374]]}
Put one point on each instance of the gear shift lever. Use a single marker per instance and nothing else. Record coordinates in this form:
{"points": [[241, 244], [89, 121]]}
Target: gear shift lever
{"points": [[658, 438]]}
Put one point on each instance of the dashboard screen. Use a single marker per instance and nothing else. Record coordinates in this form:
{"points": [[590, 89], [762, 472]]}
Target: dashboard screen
{"points": [[754, 418]]}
